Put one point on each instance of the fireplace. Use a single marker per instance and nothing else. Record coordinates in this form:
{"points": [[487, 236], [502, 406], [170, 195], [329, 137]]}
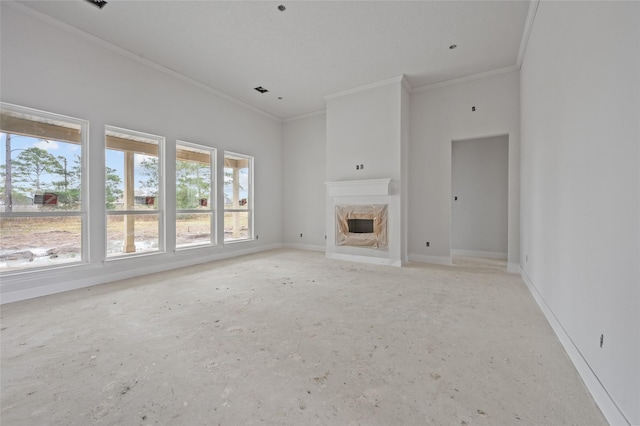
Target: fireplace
{"points": [[362, 226], [364, 222]]}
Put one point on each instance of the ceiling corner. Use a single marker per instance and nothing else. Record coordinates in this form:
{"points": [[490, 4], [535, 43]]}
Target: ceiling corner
{"points": [[526, 32]]}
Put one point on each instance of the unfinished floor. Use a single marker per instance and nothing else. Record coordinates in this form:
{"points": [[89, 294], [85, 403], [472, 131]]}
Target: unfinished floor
{"points": [[291, 338]]}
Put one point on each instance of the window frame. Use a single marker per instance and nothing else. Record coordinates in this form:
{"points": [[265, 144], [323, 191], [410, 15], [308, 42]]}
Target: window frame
{"points": [[82, 212], [250, 197], [213, 240], [160, 203]]}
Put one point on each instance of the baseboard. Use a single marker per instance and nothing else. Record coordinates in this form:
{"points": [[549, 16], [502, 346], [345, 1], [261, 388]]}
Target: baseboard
{"points": [[94, 278], [438, 260], [310, 247], [479, 253], [47, 290], [513, 268], [602, 398]]}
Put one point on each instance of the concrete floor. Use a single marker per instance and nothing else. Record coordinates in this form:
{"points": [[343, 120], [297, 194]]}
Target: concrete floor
{"points": [[290, 337]]}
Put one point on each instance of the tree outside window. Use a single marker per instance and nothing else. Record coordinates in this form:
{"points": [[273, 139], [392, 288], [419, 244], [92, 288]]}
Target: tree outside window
{"points": [[238, 197], [133, 192], [195, 219], [41, 211]]}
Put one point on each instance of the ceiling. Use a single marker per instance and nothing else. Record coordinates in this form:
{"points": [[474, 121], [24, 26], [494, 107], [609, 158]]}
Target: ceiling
{"points": [[312, 49]]}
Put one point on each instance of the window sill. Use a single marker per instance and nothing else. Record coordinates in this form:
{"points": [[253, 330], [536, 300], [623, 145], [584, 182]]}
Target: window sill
{"points": [[231, 242]]}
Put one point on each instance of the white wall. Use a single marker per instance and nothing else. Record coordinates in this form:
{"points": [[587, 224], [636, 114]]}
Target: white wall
{"points": [[580, 190], [440, 115], [405, 112], [365, 126], [46, 68], [304, 170], [480, 196]]}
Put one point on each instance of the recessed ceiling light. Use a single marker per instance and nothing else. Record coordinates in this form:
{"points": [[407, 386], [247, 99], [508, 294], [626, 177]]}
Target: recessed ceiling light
{"points": [[99, 3], [453, 46], [260, 89], [281, 8]]}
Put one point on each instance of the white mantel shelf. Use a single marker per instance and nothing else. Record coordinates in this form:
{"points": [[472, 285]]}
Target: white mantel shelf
{"points": [[355, 188]]}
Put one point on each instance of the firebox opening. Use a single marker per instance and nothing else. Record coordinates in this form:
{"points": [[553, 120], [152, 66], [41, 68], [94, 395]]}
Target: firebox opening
{"points": [[360, 226]]}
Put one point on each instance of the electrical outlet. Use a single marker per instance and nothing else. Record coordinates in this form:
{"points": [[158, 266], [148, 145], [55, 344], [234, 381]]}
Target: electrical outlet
{"points": [[257, 236], [300, 235], [428, 244], [601, 340]]}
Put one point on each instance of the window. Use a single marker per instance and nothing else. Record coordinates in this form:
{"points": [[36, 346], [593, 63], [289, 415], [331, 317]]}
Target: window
{"points": [[195, 218], [133, 192], [238, 197], [43, 210]]}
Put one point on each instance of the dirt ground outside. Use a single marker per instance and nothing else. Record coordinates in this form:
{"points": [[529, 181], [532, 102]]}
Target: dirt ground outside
{"points": [[37, 241]]}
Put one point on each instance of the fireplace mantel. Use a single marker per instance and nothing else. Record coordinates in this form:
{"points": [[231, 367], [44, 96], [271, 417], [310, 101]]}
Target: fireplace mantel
{"points": [[356, 188]]}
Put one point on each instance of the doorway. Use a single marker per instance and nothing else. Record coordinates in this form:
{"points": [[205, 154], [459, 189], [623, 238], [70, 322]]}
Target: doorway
{"points": [[479, 209]]}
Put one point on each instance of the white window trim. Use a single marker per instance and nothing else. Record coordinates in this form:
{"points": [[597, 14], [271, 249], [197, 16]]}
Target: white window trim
{"points": [[213, 241], [250, 197], [84, 205], [161, 205]]}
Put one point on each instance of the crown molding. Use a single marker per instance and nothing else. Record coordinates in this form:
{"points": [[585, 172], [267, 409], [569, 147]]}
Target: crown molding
{"points": [[467, 78], [25, 10], [397, 79], [526, 32], [406, 84], [303, 116]]}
